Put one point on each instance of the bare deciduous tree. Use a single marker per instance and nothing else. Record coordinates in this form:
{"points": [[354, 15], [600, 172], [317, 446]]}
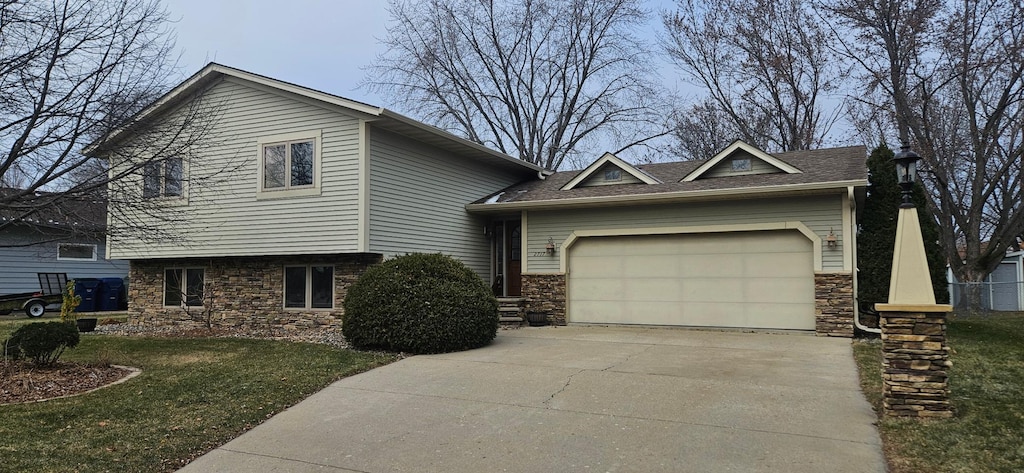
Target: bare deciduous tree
{"points": [[765, 64], [702, 131], [535, 79], [950, 77], [71, 72]]}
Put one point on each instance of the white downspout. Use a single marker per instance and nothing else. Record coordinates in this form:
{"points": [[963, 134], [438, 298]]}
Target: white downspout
{"points": [[853, 248]]}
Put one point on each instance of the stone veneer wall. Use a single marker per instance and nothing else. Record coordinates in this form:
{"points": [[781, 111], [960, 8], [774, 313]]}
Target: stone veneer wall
{"points": [[833, 304], [545, 293], [915, 364], [243, 291]]}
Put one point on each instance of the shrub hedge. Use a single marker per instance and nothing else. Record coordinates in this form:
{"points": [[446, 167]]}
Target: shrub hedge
{"points": [[42, 342], [420, 303]]}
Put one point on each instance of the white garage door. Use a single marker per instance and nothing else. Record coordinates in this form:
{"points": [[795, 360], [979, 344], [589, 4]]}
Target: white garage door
{"points": [[762, 279]]}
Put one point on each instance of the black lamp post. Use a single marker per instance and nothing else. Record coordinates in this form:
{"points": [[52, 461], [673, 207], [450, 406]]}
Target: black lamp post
{"points": [[906, 173]]}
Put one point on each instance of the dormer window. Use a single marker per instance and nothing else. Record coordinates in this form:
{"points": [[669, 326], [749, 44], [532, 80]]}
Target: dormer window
{"points": [[741, 164], [613, 174]]}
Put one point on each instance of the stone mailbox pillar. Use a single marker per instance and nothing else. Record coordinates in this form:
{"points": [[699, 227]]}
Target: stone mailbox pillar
{"points": [[915, 360]]}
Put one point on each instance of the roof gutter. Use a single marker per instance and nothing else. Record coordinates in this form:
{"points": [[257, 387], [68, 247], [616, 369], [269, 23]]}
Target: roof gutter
{"points": [[665, 197]]}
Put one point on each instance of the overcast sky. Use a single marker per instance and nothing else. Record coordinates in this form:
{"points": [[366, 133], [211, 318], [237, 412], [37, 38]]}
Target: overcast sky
{"points": [[322, 44]]}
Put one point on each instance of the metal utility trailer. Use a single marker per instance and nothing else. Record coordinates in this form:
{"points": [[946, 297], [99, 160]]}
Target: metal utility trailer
{"points": [[51, 290]]}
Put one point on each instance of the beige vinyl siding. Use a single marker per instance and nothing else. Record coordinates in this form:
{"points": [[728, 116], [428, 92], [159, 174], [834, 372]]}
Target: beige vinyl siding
{"points": [[820, 213], [225, 217], [418, 196], [724, 168]]}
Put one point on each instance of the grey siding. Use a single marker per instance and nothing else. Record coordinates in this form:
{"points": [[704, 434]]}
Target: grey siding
{"points": [[819, 213], [19, 265], [224, 215], [417, 200]]}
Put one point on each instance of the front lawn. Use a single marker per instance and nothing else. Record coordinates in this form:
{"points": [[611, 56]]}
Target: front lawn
{"points": [[987, 388], [192, 396]]}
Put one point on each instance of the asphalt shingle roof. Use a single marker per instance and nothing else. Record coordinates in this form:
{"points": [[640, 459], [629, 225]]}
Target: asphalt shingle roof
{"points": [[817, 166]]}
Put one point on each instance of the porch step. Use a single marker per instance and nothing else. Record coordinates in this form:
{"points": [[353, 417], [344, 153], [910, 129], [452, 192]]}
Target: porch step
{"points": [[511, 311]]}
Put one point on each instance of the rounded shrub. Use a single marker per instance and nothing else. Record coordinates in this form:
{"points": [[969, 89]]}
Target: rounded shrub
{"points": [[43, 342], [420, 303]]}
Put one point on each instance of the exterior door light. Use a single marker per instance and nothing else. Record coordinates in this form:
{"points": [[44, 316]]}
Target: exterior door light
{"points": [[550, 247], [831, 241]]}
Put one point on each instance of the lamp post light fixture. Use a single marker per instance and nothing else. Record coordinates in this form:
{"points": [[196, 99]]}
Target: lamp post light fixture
{"points": [[906, 173]]}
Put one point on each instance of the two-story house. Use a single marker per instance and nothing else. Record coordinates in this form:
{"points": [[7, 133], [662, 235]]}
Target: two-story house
{"points": [[321, 186]]}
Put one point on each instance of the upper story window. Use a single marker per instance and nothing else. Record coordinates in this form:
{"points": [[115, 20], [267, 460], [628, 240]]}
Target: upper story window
{"points": [[76, 252], [162, 178], [289, 164], [612, 174]]}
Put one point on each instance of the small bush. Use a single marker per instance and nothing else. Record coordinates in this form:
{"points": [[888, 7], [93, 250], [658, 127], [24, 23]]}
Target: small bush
{"points": [[43, 342], [420, 303]]}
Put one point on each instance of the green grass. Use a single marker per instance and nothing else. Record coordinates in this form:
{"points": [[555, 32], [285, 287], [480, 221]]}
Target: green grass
{"points": [[987, 389], [192, 396]]}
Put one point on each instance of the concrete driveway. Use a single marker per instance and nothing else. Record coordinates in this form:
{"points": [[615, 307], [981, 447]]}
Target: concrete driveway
{"points": [[583, 399]]}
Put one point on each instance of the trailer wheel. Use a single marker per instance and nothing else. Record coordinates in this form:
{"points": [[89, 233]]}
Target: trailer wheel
{"points": [[35, 309]]}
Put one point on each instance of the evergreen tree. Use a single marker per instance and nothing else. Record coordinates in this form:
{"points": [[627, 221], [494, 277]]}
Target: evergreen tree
{"points": [[878, 233]]}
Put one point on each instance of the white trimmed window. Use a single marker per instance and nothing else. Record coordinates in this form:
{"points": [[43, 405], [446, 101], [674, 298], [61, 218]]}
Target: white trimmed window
{"points": [[309, 287], [183, 286], [289, 164], [76, 252], [162, 178]]}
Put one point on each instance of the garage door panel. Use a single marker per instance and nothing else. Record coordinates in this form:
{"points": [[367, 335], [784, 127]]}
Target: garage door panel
{"points": [[598, 267], [709, 290], [775, 290], [768, 265], [720, 265], [652, 289], [655, 312], [606, 289], [761, 279], [650, 266]]}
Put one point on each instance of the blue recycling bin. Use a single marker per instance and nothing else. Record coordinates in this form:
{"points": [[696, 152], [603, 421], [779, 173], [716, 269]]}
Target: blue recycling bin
{"points": [[111, 294], [88, 289]]}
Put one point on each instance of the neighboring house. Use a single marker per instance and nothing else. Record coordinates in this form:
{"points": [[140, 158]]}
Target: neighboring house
{"points": [[1003, 288], [328, 186], [66, 238]]}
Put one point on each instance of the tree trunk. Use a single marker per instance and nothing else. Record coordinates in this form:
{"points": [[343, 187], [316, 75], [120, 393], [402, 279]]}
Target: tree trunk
{"points": [[971, 284]]}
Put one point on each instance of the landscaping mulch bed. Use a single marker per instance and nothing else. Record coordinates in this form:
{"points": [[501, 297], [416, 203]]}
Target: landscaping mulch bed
{"points": [[22, 381]]}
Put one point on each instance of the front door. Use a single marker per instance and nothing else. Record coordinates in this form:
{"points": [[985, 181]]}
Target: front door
{"points": [[514, 287], [508, 257]]}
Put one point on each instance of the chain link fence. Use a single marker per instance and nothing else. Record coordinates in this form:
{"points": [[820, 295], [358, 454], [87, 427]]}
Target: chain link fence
{"points": [[995, 296]]}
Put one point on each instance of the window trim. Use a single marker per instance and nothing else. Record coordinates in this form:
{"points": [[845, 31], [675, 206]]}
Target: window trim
{"points": [[184, 283], [287, 190], [162, 165], [68, 258], [308, 297]]}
